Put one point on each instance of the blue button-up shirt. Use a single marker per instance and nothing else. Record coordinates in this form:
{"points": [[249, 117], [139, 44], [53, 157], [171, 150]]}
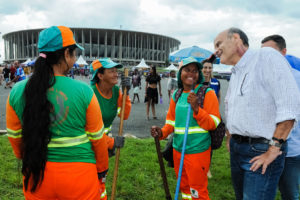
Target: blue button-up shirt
{"points": [[294, 137], [262, 92]]}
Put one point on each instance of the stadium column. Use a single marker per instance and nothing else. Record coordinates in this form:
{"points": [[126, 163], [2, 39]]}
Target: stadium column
{"points": [[36, 48], [147, 47], [32, 45], [113, 45], [105, 44], [135, 46], [153, 44], [27, 44], [82, 42], [128, 45], [120, 46], [141, 46], [98, 43], [91, 44], [22, 55]]}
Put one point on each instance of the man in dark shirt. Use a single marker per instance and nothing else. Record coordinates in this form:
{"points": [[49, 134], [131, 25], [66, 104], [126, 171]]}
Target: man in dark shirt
{"points": [[6, 72]]}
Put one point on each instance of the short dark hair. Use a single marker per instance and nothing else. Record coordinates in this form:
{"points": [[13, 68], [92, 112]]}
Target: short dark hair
{"points": [[242, 35], [278, 39], [100, 71]]}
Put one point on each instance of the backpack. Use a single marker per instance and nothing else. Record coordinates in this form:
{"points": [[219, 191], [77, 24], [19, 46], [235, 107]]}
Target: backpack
{"points": [[216, 135]]}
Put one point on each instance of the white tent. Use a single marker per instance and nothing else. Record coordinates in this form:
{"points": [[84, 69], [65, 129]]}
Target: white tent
{"points": [[26, 62], [80, 61], [172, 68], [142, 64]]}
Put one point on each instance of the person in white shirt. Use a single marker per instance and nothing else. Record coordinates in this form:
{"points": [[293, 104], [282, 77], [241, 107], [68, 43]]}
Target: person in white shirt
{"points": [[290, 178], [260, 112]]}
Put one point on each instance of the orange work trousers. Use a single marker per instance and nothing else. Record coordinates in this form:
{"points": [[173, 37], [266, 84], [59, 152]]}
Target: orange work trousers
{"points": [[194, 174], [68, 181]]}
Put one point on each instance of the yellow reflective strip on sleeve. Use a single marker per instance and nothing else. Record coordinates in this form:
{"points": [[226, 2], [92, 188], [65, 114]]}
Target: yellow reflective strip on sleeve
{"points": [[68, 141], [192, 130], [186, 196], [107, 130], [216, 120], [95, 136], [172, 123], [119, 110], [14, 134]]}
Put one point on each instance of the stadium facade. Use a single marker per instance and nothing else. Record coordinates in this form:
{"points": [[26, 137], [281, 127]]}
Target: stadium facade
{"points": [[127, 47]]}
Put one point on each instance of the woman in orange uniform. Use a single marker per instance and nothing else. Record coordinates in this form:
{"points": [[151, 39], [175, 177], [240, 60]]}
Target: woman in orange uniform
{"points": [[55, 126], [202, 120], [104, 84]]}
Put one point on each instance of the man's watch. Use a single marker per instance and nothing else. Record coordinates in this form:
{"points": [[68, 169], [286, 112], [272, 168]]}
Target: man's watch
{"points": [[274, 143], [281, 141]]}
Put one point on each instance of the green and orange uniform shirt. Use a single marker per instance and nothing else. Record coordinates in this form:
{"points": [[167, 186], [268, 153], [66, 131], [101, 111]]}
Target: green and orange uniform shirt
{"points": [[197, 159], [77, 128], [208, 118], [110, 108]]}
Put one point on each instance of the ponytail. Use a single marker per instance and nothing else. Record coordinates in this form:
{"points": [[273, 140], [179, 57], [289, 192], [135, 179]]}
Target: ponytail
{"points": [[36, 117]]}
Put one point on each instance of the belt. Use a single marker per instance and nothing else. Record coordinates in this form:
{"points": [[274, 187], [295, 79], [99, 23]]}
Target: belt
{"points": [[246, 139]]}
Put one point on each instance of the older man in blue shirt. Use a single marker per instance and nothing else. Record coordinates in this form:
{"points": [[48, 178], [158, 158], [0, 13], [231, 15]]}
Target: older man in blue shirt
{"points": [[261, 106], [290, 179]]}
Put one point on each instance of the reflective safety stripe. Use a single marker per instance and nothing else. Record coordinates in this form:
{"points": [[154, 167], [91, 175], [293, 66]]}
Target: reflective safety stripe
{"points": [[119, 110], [68, 141], [107, 130], [103, 194], [14, 134], [192, 130], [186, 196], [216, 120], [97, 135], [172, 123]]}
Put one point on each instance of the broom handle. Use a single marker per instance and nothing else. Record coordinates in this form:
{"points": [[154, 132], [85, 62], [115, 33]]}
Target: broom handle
{"points": [[162, 169], [183, 150], [114, 183]]}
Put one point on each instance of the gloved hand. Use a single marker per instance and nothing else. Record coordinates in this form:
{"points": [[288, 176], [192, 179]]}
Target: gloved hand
{"points": [[125, 82], [119, 141]]}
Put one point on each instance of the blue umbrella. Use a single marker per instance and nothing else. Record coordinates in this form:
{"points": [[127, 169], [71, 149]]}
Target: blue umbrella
{"points": [[198, 53], [31, 63], [294, 61]]}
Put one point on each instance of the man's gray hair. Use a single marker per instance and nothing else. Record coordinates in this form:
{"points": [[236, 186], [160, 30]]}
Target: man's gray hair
{"points": [[242, 35]]}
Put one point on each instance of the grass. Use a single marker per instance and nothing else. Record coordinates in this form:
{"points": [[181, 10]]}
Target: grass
{"points": [[139, 175]]}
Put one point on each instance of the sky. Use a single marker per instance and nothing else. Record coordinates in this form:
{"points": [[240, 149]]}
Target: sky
{"points": [[193, 22]]}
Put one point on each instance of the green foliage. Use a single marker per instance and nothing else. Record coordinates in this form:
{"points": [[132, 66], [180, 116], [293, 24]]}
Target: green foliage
{"points": [[138, 176]]}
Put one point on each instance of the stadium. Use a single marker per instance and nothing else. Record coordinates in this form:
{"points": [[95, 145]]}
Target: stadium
{"points": [[124, 46]]}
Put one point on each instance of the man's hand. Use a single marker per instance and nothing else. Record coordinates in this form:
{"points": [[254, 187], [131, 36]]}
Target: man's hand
{"points": [[265, 159], [193, 100], [156, 131], [228, 137]]}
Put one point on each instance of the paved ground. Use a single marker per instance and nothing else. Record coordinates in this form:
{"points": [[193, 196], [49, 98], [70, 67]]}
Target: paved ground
{"points": [[137, 124]]}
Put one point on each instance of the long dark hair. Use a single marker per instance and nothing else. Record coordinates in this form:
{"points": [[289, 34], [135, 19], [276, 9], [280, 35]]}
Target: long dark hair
{"points": [[36, 117], [153, 73]]}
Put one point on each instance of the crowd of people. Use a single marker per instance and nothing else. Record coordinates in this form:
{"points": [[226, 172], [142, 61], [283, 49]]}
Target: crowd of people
{"points": [[13, 73], [60, 128]]}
